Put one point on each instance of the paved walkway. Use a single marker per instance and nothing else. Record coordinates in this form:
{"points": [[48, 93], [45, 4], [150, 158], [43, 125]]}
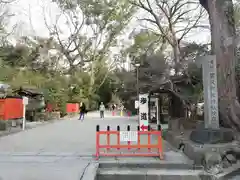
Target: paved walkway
{"points": [[59, 150], [29, 125], [108, 114]]}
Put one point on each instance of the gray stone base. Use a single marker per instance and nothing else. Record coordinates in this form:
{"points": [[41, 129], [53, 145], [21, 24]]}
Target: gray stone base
{"points": [[212, 136], [7, 125], [74, 114], [53, 115], [195, 151], [3, 125]]}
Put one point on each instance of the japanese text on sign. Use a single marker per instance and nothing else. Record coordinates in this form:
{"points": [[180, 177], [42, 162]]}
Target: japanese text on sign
{"points": [[143, 116], [143, 100], [128, 136], [213, 92], [143, 109]]}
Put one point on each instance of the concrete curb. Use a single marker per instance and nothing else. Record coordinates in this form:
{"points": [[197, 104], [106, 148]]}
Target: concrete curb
{"points": [[163, 165], [151, 174], [90, 172]]}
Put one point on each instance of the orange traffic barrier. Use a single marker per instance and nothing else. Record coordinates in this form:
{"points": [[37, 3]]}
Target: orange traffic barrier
{"points": [[118, 147]]}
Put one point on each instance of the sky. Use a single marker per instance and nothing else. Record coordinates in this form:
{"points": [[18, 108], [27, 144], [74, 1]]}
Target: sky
{"points": [[36, 24], [35, 8], [24, 9], [29, 17]]}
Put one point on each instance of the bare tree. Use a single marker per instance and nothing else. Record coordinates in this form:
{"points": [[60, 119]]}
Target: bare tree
{"points": [[174, 19], [93, 28], [100, 35], [70, 46], [5, 15]]}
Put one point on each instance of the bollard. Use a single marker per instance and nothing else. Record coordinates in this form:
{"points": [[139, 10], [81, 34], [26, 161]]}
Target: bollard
{"points": [[149, 138], [149, 128], [128, 129], [108, 138], [160, 142], [118, 136], [139, 140], [97, 141], [121, 113], [97, 128]]}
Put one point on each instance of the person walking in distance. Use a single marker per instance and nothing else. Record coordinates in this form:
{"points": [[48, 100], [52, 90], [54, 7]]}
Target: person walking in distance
{"points": [[102, 109], [82, 111], [113, 109]]}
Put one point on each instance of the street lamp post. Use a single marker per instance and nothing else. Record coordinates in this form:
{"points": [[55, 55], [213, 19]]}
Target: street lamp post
{"points": [[137, 66]]}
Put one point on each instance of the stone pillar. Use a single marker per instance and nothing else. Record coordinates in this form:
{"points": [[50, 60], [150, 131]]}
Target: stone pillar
{"points": [[209, 70]]}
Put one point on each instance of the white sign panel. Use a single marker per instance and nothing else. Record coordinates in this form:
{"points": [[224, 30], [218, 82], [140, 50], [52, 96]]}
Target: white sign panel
{"points": [[128, 136], [25, 100], [136, 104], [143, 111]]}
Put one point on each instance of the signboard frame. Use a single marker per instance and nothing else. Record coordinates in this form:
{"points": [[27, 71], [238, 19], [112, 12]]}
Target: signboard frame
{"points": [[143, 111]]}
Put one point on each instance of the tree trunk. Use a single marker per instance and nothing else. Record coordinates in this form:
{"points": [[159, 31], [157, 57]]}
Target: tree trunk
{"points": [[176, 108], [160, 111], [176, 50], [223, 46], [176, 53]]}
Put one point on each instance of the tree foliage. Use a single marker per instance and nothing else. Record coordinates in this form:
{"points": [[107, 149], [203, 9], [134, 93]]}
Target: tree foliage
{"points": [[78, 65], [94, 27], [75, 68]]}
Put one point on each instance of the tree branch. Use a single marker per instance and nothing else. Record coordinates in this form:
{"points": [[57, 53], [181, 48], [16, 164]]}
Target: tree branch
{"points": [[174, 15], [194, 25]]}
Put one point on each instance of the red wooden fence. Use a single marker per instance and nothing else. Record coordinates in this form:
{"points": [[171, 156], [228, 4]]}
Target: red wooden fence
{"points": [[118, 147]]}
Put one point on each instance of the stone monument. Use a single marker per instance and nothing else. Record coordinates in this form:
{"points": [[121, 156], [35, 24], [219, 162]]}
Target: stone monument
{"points": [[209, 70], [211, 133]]}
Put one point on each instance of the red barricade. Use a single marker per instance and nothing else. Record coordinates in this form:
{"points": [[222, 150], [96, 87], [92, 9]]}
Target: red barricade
{"points": [[117, 147], [72, 107], [11, 108]]}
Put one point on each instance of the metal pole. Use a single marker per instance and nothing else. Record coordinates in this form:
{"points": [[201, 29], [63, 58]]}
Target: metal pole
{"points": [[25, 102], [24, 117], [138, 88]]}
